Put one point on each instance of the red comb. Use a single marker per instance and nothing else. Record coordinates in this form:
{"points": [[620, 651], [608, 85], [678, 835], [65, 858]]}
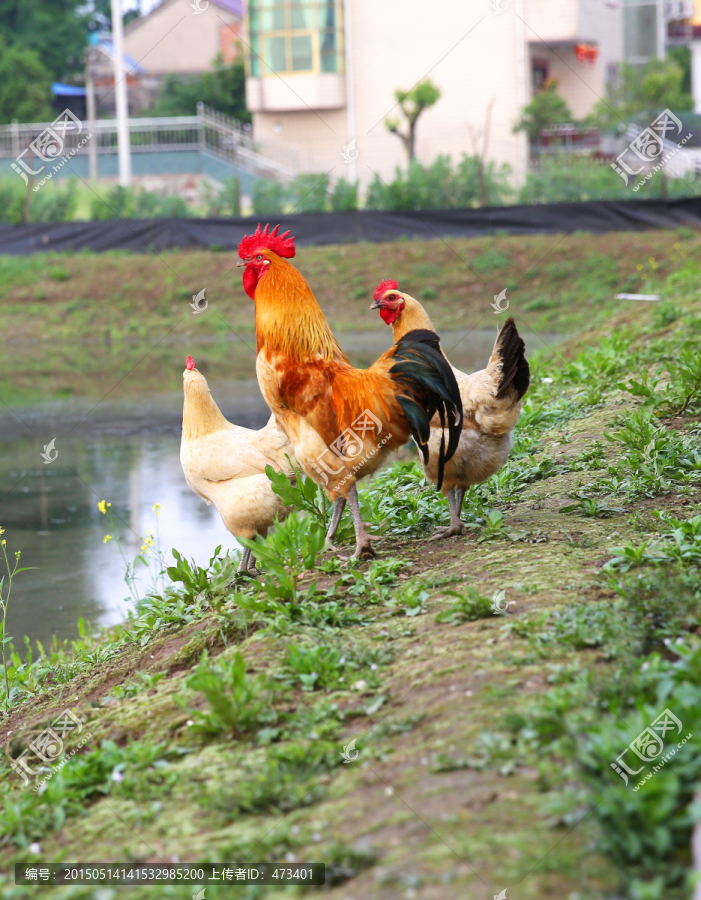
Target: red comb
{"points": [[383, 286], [190, 363], [270, 240]]}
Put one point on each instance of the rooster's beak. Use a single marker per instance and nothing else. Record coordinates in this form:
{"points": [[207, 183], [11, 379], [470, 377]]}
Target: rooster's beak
{"points": [[376, 304], [241, 262]]}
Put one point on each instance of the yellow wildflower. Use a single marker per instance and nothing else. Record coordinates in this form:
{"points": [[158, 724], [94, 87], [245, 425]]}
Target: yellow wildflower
{"points": [[107, 537], [2, 530], [157, 508], [639, 267], [101, 507]]}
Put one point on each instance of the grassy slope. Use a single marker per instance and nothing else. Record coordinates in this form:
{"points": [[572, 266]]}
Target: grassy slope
{"points": [[468, 832], [73, 325]]}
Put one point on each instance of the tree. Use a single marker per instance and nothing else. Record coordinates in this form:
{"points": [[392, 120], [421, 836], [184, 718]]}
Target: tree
{"points": [[224, 89], [412, 103], [641, 93], [25, 86], [57, 30], [546, 108]]}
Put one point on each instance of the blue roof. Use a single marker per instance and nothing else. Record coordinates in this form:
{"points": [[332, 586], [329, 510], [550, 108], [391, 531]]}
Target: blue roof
{"points": [[129, 64], [66, 90]]}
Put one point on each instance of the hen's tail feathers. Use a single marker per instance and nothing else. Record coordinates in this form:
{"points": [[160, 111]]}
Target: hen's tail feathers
{"points": [[428, 386], [510, 353]]}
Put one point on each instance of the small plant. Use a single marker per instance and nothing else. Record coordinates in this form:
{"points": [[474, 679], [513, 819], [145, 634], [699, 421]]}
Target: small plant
{"points": [[11, 571], [592, 509], [633, 555], [412, 598], [287, 553], [315, 667], [467, 606], [291, 776], [144, 681], [150, 554], [237, 701]]}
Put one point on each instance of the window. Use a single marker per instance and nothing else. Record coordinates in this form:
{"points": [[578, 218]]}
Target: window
{"points": [[295, 36], [640, 21], [540, 74]]}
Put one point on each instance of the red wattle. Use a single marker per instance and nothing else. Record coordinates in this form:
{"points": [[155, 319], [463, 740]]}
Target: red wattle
{"points": [[250, 280], [389, 316]]}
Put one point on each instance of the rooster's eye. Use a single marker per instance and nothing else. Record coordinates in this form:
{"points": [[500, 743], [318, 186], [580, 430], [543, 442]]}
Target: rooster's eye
{"points": [[392, 297], [259, 256]]}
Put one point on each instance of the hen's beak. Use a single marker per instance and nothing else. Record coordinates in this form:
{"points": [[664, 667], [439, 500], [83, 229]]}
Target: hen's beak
{"points": [[241, 262], [376, 304]]}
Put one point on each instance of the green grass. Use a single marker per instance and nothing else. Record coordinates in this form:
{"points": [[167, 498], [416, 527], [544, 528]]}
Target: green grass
{"points": [[74, 324], [219, 713]]}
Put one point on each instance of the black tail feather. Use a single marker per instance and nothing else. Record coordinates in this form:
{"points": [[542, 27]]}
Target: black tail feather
{"points": [[429, 386], [515, 371]]}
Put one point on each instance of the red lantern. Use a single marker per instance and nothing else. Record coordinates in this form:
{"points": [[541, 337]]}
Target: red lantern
{"points": [[586, 53]]}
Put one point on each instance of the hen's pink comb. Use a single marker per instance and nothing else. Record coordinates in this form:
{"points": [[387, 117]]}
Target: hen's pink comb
{"points": [[190, 363]]}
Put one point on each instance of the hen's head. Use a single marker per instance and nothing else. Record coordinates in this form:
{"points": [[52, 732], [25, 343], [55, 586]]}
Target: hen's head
{"points": [[388, 300], [256, 251], [192, 375]]}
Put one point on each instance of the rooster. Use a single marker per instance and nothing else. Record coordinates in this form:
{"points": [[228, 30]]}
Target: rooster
{"points": [[491, 401], [225, 464], [342, 422]]}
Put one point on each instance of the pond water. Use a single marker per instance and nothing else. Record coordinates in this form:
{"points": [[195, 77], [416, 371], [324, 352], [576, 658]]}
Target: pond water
{"points": [[126, 451]]}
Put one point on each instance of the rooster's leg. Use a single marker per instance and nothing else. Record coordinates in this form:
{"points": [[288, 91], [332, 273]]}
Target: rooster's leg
{"points": [[456, 526], [339, 504], [363, 547]]}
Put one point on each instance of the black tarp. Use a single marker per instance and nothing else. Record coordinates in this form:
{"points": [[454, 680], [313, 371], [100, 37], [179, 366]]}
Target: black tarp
{"points": [[148, 235]]}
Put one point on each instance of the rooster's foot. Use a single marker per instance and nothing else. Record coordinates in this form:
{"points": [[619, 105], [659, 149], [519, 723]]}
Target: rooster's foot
{"points": [[363, 551], [447, 531]]}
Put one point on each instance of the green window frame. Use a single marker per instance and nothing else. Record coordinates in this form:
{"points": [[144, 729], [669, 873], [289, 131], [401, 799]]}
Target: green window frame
{"points": [[295, 36]]}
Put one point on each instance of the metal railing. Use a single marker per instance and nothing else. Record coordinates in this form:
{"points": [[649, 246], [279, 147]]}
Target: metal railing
{"points": [[209, 132]]}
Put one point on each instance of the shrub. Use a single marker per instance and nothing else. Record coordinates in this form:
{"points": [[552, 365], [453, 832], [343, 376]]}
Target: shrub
{"points": [[344, 197], [309, 193], [268, 197]]}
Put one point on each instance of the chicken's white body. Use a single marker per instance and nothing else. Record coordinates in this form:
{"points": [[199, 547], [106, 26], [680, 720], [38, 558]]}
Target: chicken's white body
{"points": [[225, 463]]}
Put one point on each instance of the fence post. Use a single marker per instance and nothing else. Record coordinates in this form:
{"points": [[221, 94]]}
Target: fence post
{"points": [[200, 125]]}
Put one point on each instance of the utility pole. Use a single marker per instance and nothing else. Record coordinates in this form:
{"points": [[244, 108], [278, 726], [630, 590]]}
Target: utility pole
{"points": [[120, 88], [90, 98]]}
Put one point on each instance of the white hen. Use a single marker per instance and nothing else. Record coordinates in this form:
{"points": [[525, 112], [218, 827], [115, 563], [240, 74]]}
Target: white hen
{"points": [[225, 463]]}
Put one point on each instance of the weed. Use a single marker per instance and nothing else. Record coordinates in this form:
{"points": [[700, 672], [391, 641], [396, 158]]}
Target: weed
{"points": [[238, 702], [11, 571], [467, 606], [593, 509], [290, 777], [632, 555], [291, 549], [144, 682]]}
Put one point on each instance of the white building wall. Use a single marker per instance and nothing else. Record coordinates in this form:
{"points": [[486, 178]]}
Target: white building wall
{"points": [[471, 53]]}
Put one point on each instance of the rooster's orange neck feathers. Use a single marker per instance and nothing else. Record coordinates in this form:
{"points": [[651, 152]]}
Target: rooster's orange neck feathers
{"points": [[289, 320]]}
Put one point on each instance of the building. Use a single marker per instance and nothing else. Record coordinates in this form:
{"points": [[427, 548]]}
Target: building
{"points": [[322, 74], [184, 36]]}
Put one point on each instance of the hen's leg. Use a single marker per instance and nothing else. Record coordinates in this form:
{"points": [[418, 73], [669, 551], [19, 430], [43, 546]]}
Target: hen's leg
{"points": [[456, 526], [459, 497], [363, 547], [339, 504], [247, 566]]}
